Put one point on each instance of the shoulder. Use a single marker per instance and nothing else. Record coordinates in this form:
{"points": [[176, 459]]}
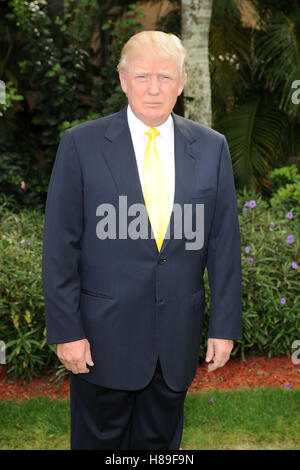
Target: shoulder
{"points": [[196, 130], [88, 129]]}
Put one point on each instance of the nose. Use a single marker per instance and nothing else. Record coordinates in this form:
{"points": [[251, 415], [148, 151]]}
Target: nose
{"points": [[153, 86]]}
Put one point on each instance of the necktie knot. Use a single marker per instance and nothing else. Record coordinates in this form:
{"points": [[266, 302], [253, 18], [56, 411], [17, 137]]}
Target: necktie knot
{"points": [[152, 132]]}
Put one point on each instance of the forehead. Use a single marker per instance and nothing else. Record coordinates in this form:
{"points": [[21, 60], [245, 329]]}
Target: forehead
{"points": [[152, 64]]}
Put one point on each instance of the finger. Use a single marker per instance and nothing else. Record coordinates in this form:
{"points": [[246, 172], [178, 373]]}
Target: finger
{"points": [[74, 366], [61, 359], [210, 352], [213, 366], [217, 362], [88, 357], [68, 365], [81, 367]]}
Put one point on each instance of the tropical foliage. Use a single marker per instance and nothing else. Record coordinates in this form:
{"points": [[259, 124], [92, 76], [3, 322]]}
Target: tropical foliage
{"points": [[254, 50], [270, 281], [255, 62], [62, 64], [58, 61]]}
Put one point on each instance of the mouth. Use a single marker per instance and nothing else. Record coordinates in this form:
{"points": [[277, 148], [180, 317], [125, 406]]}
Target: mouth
{"points": [[153, 105]]}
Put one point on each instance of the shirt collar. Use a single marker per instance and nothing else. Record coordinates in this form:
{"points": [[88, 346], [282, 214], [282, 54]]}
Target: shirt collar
{"points": [[140, 128]]}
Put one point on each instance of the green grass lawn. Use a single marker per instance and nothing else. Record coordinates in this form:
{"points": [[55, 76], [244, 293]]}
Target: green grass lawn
{"points": [[266, 418]]}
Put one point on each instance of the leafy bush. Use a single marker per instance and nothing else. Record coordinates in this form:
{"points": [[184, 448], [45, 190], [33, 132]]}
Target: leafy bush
{"points": [[61, 81], [22, 325], [271, 297], [10, 95], [270, 284], [23, 180], [286, 183], [270, 276]]}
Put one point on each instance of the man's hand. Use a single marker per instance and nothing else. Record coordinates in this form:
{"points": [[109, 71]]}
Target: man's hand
{"points": [[218, 352], [75, 356]]}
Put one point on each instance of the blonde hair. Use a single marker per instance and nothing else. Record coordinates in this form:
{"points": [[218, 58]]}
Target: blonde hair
{"points": [[158, 44]]}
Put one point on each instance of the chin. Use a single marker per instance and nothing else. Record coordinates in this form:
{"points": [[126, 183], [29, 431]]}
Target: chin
{"points": [[156, 118]]}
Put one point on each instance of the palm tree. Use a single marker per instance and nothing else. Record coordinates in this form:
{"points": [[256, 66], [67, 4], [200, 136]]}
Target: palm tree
{"points": [[196, 15], [278, 53], [253, 67]]}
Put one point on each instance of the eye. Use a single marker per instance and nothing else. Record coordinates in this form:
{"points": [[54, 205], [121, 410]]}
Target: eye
{"points": [[166, 78]]}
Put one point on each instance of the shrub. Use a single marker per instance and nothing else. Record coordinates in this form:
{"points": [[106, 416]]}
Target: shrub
{"points": [[270, 284], [22, 325], [270, 276], [23, 180], [61, 81], [286, 187]]}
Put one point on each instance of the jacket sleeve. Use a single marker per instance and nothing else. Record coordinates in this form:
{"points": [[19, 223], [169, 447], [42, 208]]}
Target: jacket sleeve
{"points": [[224, 257], [61, 246]]}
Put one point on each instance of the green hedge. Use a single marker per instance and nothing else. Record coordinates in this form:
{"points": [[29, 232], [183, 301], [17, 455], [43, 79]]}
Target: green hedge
{"points": [[270, 276], [22, 323], [271, 298]]}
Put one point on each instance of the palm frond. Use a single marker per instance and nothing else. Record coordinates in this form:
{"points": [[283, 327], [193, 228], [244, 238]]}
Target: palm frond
{"points": [[278, 53], [253, 131]]}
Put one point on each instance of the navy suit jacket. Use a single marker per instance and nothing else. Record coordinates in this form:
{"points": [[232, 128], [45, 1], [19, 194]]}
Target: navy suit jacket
{"points": [[133, 303]]}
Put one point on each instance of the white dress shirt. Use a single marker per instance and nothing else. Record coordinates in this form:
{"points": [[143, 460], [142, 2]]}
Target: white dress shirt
{"points": [[164, 145]]}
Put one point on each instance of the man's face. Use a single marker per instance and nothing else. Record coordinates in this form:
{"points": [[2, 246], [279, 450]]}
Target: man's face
{"points": [[152, 87]]}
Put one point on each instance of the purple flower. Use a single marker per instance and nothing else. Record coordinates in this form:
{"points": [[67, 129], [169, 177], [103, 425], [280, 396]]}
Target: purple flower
{"points": [[289, 215], [246, 204], [250, 260], [287, 385], [247, 249], [290, 239], [294, 265], [27, 243], [211, 400], [245, 209], [283, 301], [252, 203], [17, 249], [272, 225]]}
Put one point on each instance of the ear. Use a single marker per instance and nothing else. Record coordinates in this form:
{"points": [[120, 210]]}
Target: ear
{"points": [[180, 89], [123, 81]]}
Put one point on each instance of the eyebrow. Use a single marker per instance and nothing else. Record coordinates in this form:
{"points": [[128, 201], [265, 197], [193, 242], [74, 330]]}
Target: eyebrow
{"points": [[162, 72]]}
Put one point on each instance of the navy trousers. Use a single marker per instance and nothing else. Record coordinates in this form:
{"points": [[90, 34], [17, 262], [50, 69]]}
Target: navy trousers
{"points": [[105, 419]]}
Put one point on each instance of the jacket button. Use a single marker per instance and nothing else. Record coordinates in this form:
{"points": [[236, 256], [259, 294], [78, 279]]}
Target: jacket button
{"points": [[162, 260]]}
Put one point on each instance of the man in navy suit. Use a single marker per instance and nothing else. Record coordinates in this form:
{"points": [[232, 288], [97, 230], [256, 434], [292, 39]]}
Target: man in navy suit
{"points": [[125, 305]]}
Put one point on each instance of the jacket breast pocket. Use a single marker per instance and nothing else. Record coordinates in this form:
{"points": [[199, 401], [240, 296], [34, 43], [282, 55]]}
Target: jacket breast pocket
{"points": [[99, 295]]}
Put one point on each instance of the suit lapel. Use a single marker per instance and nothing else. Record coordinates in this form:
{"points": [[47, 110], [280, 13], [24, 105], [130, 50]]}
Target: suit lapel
{"points": [[120, 158], [184, 170], [119, 154]]}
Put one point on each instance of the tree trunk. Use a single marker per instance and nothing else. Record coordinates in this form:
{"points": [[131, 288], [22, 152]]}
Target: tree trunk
{"points": [[196, 15]]}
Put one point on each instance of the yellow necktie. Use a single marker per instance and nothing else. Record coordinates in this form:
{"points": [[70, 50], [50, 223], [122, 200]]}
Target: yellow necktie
{"points": [[155, 189]]}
